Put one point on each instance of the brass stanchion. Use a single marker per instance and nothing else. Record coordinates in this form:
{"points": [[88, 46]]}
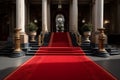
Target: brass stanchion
{"points": [[42, 38], [17, 49], [78, 38], [102, 37], [39, 40]]}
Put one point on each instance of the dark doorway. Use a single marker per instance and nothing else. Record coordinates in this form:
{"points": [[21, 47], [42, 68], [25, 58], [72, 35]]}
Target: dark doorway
{"points": [[83, 15], [36, 16], [55, 11], [4, 23]]}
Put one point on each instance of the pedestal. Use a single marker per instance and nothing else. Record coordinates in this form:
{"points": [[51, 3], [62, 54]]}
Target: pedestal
{"points": [[39, 40], [101, 46], [17, 50]]}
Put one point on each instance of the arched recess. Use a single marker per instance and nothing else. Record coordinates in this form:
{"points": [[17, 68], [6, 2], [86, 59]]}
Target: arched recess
{"points": [[55, 11]]}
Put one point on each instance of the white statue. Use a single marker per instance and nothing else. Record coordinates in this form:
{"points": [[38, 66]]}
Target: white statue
{"points": [[60, 23]]}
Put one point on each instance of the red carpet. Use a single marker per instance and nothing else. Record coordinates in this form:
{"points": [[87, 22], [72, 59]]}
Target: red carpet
{"points": [[60, 44], [60, 39], [60, 51], [60, 67]]}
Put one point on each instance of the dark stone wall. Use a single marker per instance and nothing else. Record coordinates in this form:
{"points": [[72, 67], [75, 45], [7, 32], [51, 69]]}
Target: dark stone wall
{"points": [[114, 39]]}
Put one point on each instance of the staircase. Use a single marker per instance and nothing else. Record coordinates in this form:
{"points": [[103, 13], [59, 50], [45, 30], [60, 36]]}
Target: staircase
{"points": [[112, 50], [90, 49], [6, 48], [86, 48], [59, 51], [33, 46], [60, 44]]}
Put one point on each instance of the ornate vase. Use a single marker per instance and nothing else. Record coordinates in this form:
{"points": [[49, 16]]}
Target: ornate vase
{"points": [[87, 34], [32, 36]]}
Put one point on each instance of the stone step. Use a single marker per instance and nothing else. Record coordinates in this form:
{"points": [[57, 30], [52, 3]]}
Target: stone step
{"points": [[47, 51], [88, 52], [30, 44], [31, 51], [6, 51], [55, 54], [33, 48], [114, 52]]}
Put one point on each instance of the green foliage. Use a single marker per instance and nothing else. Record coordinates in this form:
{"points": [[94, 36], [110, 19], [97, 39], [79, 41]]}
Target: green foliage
{"points": [[87, 27], [32, 26]]}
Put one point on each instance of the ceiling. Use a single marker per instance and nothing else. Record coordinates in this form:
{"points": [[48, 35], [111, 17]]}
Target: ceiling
{"points": [[54, 1]]}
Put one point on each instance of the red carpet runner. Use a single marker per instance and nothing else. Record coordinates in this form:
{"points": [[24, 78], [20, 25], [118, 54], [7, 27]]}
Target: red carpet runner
{"points": [[60, 40], [60, 67], [60, 43]]}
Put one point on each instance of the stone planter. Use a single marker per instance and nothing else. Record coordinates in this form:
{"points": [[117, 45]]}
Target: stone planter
{"points": [[32, 36], [87, 34]]}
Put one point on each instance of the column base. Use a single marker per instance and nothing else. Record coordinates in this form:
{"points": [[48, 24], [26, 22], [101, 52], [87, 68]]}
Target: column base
{"points": [[101, 53], [17, 54], [24, 41]]}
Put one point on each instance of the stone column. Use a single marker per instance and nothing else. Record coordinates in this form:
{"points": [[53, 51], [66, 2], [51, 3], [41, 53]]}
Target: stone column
{"points": [[20, 22], [75, 15], [96, 15], [97, 18], [20, 27], [99, 29], [99, 11], [44, 16], [20, 14]]}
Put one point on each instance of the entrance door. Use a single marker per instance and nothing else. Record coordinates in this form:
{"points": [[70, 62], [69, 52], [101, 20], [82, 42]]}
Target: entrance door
{"points": [[55, 11]]}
